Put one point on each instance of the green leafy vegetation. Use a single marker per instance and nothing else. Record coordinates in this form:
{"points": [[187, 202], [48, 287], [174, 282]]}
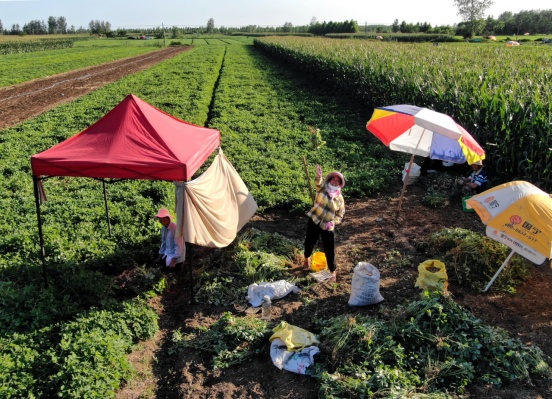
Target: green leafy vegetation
{"points": [[430, 348], [472, 259], [256, 257], [84, 358], [231, 338], [28, 46], [17, 68], [435, 199], [266, 120], [500, 96]]}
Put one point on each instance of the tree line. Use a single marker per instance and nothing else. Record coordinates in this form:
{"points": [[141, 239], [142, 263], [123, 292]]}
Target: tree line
{"points": [[55, 26], [507, 23]]}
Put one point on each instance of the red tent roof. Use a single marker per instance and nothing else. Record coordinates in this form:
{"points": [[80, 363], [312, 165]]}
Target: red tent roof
{"points": [[132, 141]]}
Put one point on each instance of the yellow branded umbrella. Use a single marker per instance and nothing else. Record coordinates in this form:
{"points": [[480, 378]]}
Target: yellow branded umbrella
{"points": [[519, 215]]}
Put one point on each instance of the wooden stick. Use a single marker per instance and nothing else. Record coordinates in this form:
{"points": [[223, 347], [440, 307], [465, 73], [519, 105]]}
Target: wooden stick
{"points": [[404, 183], [408, 172], [309, 185]]}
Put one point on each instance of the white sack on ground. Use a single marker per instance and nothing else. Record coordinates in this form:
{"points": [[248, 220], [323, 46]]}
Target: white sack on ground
{"points": [[275, 290], [296, 362], [415, 171], [213, 208], [365, 285]]}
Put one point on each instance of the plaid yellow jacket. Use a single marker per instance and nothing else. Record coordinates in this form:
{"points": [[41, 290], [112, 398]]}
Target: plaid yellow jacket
{"points": [[326, 209]]}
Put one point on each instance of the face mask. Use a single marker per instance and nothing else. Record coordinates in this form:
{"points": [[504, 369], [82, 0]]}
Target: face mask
{"points": [[331, 187]]}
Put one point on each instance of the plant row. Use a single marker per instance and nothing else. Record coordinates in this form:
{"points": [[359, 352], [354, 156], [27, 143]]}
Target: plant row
{"points": [[397, 37], [83, 358], [83, 262], [27, 46], [19, 68], [90, 359], [501, 95], [266, 113]]}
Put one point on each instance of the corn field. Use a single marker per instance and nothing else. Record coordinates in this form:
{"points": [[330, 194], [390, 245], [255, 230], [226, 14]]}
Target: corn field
{"points": [[29, 46], [501, 95]]}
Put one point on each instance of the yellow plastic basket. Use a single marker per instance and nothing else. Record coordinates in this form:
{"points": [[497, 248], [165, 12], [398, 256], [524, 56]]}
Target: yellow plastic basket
{"points": [[319, 262]]}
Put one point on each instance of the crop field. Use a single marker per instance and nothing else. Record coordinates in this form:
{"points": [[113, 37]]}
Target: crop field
{"points": [[71, 337], [16, 38], [501, 95], [17, 68]]}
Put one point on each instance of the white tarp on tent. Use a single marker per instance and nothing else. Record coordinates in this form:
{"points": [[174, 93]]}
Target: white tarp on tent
{"points": [[213, 208]]}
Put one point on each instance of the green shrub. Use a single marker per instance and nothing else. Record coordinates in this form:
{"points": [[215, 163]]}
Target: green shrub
{"points": [[85, 358], [472, 259], [19, 360], [435, 199]]}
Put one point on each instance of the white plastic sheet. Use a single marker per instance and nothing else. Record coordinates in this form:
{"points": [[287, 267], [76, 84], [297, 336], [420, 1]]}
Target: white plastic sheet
{"points": [[296, 362], [275, 290]]}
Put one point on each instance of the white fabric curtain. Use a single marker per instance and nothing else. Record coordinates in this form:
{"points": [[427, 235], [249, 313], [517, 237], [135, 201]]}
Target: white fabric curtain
{"points": [[213, 208]]}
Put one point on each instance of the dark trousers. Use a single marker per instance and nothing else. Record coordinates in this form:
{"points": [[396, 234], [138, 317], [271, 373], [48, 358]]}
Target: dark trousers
{"points": [[328, 243]]}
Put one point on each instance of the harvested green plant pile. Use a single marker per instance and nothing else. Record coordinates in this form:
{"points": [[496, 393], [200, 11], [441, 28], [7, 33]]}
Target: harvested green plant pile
{"points": [[257, 257], [473, 259], [431, 346]]}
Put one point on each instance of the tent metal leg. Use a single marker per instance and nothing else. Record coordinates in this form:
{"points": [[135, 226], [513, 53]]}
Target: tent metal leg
{"points": [[40, 233], [106, 209], [191, 275]]}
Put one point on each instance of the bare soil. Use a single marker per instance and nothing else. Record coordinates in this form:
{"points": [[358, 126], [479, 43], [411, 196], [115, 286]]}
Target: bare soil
{"points": [[369, 233], [30, 99], [372, 233]]}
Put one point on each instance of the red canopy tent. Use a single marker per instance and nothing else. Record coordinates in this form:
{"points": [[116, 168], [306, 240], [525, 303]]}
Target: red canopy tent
{"points": [[132, 141]]}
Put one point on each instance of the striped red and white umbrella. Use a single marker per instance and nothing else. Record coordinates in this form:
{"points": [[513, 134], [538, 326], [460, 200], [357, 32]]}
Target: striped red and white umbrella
{"points": [[422, 131]]}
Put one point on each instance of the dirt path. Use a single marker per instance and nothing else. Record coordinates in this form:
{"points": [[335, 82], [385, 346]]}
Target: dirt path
{"points": [[23, 101]]}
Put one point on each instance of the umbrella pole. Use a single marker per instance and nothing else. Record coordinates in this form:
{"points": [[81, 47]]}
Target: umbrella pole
{"points": [[404, 183], [408, 171], [499, 271]]}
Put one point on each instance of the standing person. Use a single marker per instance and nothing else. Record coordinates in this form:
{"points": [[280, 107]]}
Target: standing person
{"points": [[327, 211], [477, 181], [172, 250]]}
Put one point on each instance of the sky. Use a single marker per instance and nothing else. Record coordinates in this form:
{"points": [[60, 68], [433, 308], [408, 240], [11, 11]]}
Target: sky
{"points": [[238, 13]]}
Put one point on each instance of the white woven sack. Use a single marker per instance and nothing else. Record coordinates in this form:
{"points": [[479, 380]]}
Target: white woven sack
{"points": [[365, 285], [415, 172]]}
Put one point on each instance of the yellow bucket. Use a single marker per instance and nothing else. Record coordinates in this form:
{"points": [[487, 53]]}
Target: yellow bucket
{"points": [[319, 262]]}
